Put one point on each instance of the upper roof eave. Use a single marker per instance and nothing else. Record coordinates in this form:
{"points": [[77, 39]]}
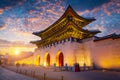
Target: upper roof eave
{"points": [[64, 14], [95, 31]]}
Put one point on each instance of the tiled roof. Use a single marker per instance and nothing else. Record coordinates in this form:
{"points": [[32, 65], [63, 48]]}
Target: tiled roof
{"points": [[113, 36]]}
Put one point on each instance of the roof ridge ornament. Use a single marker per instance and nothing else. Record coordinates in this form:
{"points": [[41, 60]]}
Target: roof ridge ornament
{"points": [[70, 18]]}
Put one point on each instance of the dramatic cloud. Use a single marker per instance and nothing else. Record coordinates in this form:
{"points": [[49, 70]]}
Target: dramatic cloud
{"points": [[11, 46], [2, 28], [2, 24], [14, 44], [32, 19], [19, 18], [8, 3], [1, 11], [4, 41], [86, 4], [107, 17]]}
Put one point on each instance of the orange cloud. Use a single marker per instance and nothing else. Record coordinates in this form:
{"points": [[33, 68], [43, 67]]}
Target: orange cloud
{"points": [[31, 12], [1, 10], [53, 12], [107, 12], [32, 19], [2, 27], [10, 46], [118, 4]]}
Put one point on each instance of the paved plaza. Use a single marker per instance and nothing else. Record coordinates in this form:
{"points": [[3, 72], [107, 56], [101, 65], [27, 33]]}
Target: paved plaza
{"points": [[10, 75], [67, 75]]}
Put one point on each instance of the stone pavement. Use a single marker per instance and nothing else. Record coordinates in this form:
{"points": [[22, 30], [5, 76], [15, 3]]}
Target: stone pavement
{"points": [[56, 75], [10, 75]]}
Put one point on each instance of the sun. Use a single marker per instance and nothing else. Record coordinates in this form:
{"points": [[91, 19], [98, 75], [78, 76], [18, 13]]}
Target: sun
{"points": [[17, 52]]}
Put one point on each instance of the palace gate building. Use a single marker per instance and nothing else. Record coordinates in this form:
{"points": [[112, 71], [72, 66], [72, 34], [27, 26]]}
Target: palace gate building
{"points": [[66, 42]]}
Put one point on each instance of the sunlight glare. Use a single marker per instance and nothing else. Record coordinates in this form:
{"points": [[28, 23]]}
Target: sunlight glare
{"points": [[16, 52]]}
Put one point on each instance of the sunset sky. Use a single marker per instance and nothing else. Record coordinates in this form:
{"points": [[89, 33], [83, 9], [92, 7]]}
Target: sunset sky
{"points": [[19, 18]]}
